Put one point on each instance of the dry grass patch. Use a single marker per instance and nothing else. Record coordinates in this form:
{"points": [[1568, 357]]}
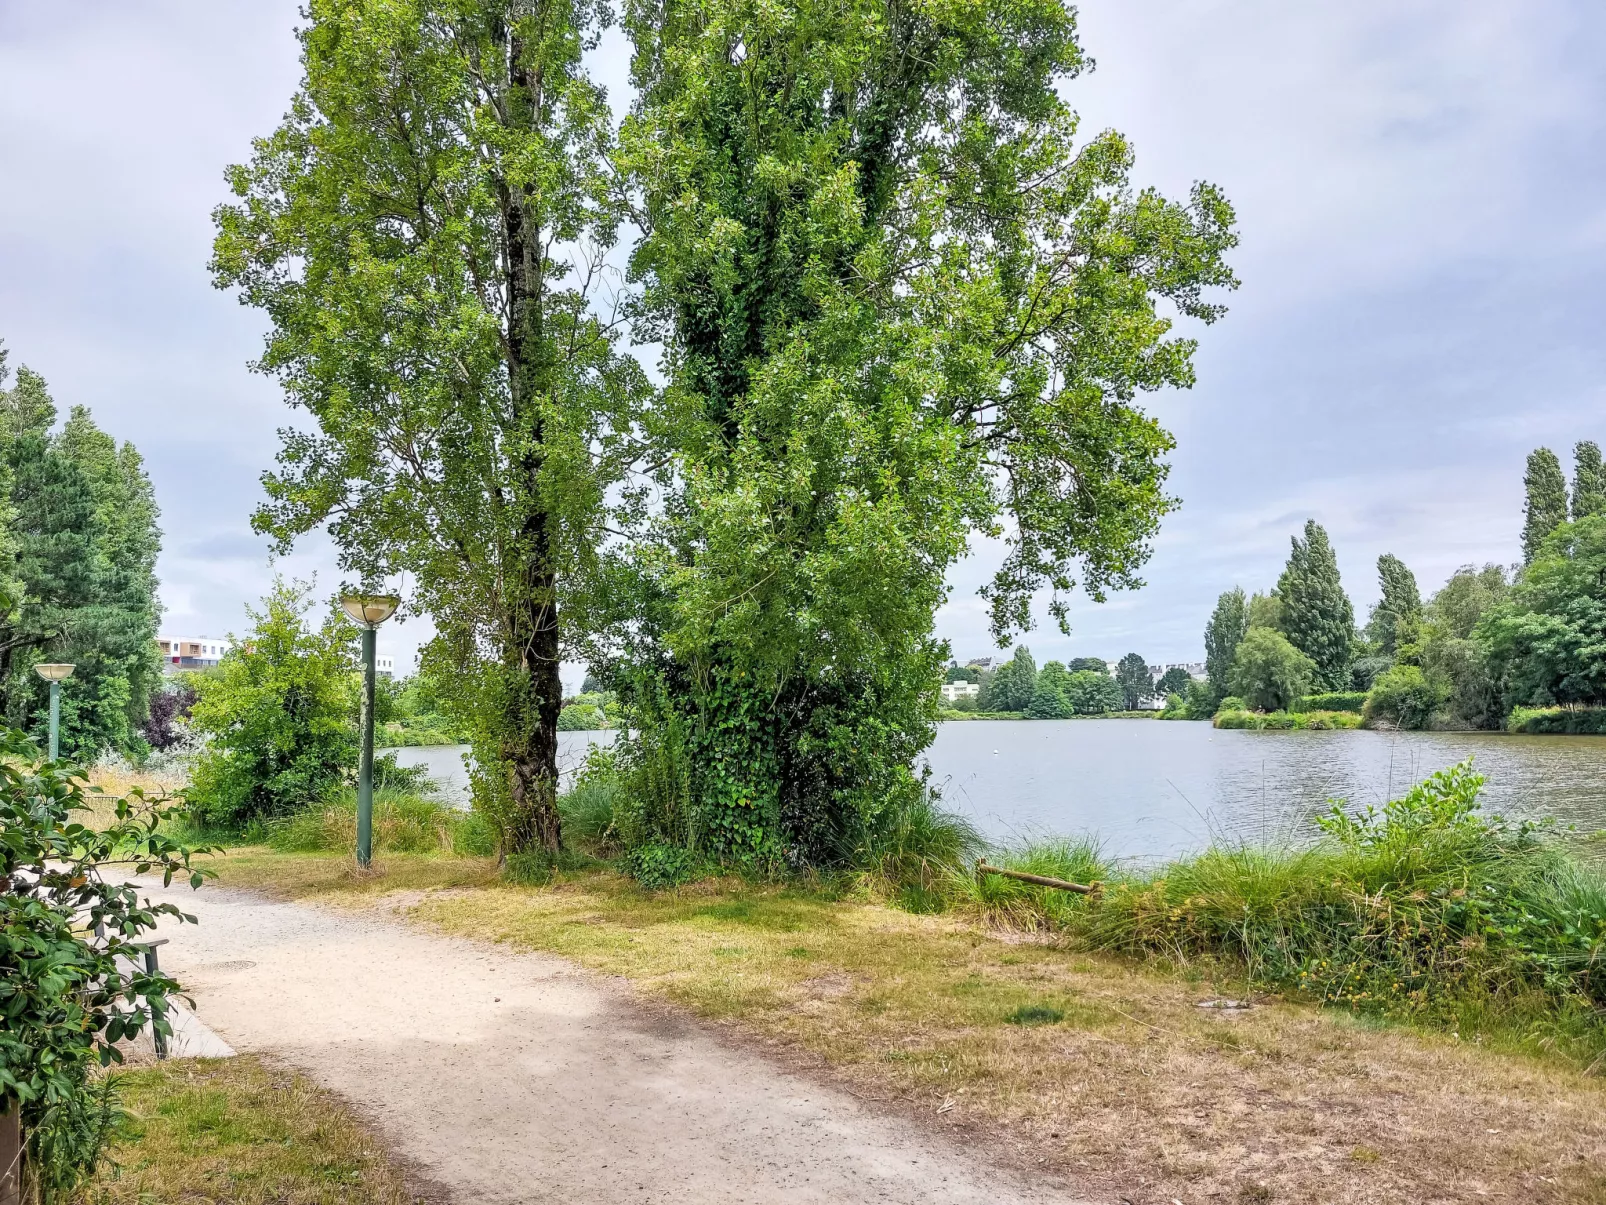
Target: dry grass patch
{"points": [[236, 1132], [336, 877], [1082, 1065], [1087, 1066]]}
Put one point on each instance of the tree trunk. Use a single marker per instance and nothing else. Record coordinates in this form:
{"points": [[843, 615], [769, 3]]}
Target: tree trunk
{"points": [[532, 742], [11, 1156]]}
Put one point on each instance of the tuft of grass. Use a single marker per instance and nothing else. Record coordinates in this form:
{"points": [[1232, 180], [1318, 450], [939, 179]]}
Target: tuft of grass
{"points": [[404, 822], [1035, 1014], [913, 848], [1011, 904], [238, 1131]]}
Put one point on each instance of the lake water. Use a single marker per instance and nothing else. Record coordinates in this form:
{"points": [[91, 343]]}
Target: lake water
{"points": [[1153, 788]]}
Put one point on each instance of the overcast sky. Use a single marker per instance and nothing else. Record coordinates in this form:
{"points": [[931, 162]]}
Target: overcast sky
{"points": [[1420, 194]]}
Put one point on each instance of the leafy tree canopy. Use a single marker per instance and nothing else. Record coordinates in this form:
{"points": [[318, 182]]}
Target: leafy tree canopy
{"points": [[1546, 506], [1270, 674], [1051, 695], [1095, 665], [1224, 629], [1317, 616], [1175, 681], [1462, 601], [1398, 614], [1093, 692], [1546, 643], [1589, 480], [1132, 676]]}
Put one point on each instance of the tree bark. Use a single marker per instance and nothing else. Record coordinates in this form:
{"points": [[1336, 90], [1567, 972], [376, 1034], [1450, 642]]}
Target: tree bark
{"points": [[532, 741], [11, 1156]]}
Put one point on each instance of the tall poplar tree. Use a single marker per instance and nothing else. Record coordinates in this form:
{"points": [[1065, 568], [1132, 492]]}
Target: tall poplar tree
{"points": [[1398, 614], [1546, 507], [1589, 480], [1317, 616], [426, 234], [901, 304], [1223, 631]]}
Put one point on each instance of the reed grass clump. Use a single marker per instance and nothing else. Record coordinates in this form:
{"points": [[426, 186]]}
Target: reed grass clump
{"points": [[1427, 907], [404, 822]]}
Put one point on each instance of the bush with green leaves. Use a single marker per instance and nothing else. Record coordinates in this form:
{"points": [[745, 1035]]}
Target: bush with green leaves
{"points": [[1093, 692], [72, 944], [1343, 700], [280, 713], [1572, 721], [1427, 907], [1405, 696], [1268, 672]]}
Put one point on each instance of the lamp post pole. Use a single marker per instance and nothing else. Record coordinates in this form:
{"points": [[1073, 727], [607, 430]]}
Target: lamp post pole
{"points": [[367, 611], [53, 673], [365, 763]]}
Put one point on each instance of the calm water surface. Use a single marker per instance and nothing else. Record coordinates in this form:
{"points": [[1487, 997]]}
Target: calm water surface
{"points": [[1152, 788]]}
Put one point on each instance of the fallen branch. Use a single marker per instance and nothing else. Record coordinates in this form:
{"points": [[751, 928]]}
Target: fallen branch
{"points": [[1042, 880]]}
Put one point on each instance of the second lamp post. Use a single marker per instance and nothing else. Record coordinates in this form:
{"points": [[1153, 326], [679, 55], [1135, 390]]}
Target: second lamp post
{"points": [[367, 611]]}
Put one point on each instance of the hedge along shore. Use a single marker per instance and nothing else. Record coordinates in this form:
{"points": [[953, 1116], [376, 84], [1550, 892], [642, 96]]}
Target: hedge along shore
{"points": [[1101, 1069]]}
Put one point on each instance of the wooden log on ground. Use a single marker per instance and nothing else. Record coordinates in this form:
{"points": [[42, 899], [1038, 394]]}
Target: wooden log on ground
{"points": [[1041, 880]]}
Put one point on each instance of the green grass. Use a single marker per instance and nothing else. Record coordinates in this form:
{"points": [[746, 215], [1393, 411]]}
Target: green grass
{"points": [[238, 1132], [1287, 721]]}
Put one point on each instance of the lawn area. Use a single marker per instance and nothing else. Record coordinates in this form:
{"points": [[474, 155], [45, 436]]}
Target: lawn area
{"points": [[1093, 1066], [239, 1132]]}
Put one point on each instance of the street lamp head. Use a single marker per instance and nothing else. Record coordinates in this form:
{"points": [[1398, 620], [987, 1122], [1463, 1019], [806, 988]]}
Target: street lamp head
{"points": [[369, 610], [54, 671]]}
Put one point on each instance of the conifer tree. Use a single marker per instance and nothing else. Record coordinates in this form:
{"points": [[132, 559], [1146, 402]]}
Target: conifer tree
{"points": [[1317, 616], [1589, 480], [1226, 627], [1132, 675], [1398, 613], [1547, 500]]}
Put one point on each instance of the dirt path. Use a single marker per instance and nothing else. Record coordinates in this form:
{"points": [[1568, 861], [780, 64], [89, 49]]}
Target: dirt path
{"points": [[519, 1078]]}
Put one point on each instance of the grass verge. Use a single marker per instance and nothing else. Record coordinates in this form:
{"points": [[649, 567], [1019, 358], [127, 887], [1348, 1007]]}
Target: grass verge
{"points": [[1089, 1065], [238, 1132]]}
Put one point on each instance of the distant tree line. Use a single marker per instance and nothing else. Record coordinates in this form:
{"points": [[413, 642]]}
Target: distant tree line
{"points": [[1490, 640], [1082, 686]]}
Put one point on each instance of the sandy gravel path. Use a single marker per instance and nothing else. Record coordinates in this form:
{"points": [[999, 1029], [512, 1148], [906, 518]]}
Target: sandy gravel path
{"points": [[519, 1078]]}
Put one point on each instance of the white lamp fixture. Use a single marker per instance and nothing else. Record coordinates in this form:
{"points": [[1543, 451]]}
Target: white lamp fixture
{"points": [[54, 671], [369, 610]]}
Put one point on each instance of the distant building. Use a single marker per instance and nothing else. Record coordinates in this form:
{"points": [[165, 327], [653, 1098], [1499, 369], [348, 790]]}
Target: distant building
{"points": [[985, 664], [953, 691], [202, 652], [192, 652]]}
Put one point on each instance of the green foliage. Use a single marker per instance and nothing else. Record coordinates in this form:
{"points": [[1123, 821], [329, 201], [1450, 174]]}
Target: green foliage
{"points": [[1266, 611], [1269, 673], [1286, 721], [1546, 505], [411, 712], [581, 717], [1363, 671], [1348, 700], [1546, 643], [1589, 481], [1462, 601], [1093, 692], [962, 673], [915, 849], [1012, 684], [1411, 911], [1397, 618], [1094, 665], [1200, 702], [430, 284], [1132, 676], [1225, 628], [280, 712], [1013, 904], [1405, 696], [68, 993], [590, 805], [405, 821], [77, 573], [1174, 681], [1035, 1014], [905, 308], [1051, 696], [1317, 616], [658, 867], [1589, 721]]}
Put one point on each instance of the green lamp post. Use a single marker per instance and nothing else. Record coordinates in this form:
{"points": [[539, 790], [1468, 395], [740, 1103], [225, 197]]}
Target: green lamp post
{"points": [[367, 611], [54, 673]]}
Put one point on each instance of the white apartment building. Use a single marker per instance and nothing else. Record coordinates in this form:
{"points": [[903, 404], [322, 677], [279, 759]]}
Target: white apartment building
{"points": [[192, 652], [202, 652], [953, 691]]}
